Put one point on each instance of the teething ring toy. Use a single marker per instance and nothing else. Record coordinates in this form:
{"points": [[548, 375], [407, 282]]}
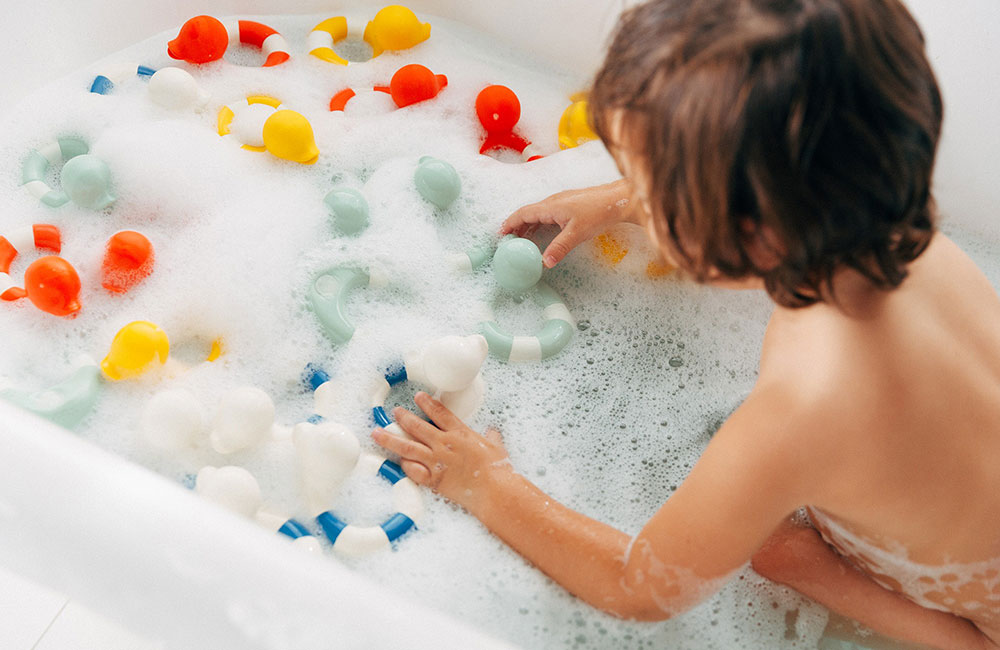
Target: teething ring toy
{"points": [[42, 236], [104, 83], [204, 38], [85, 177], [358, 540], [393, 28], [548, 342], [328, 294], [409, 85]]}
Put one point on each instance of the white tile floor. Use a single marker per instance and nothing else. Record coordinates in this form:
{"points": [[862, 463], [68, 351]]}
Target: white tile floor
{"points": [[35, 618]]}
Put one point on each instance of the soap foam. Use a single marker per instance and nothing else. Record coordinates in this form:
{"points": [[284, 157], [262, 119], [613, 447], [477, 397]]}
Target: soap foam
{"points": [[610, 427]]}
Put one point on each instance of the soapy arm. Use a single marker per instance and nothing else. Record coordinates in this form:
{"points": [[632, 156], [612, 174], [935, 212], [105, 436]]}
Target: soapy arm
{"points": [[707, 530]]}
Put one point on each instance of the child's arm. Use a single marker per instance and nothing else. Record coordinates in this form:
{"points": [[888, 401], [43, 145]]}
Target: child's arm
{"points": [[797, 556], [740, 491]]}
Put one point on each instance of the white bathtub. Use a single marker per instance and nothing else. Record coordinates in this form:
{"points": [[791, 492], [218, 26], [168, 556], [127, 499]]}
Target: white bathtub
{"points": [[147, 553]]}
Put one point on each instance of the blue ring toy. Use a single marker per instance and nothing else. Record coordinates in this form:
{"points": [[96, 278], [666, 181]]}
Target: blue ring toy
{"points": [[103, 84]]}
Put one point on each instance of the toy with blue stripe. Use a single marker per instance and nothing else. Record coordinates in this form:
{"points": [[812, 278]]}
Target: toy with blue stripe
{"points": [[104, 83]]}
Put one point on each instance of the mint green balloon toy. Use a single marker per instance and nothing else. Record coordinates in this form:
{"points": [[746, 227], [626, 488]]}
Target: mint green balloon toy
{"points": [[86, 179], [348, 210], [437, 181], [517, 264], [66, 403]]}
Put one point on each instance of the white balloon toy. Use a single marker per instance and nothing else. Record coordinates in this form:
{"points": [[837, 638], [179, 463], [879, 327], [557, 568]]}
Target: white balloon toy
{"points": [[176, 89], [327, 453], [232, 487], [174, 420], [245, 419], [449, 369]]}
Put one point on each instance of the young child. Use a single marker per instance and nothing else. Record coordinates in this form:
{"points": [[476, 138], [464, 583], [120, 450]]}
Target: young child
{"points": [[785, 145]]}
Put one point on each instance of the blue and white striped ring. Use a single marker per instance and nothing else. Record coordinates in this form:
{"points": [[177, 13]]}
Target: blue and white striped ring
{"points": [[103, 84], [382, 419], [291, 528], [362, 540]]}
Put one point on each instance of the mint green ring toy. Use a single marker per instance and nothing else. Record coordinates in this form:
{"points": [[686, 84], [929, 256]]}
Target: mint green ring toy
{"points": [[437, 181], [548, 342], [328, 295], [37, 166], [348, 210], [66, 403]]}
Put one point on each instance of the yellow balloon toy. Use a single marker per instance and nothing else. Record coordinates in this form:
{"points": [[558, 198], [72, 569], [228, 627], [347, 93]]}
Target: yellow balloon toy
{"points": [[289, 135], [137, 348], [395, 28], [574, 125]]}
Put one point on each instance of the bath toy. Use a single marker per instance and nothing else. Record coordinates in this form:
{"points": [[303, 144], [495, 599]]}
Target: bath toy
{"points": [[128, 259], [395, 28], [348, 210], [412, 84], [322, 37], [42, 236], [104, 83], [244, 419], [37, 166], [86, 179], [66, 403], [262, 123], [448, 368], [203, 39], [289, 135], [53, 286], [176, 89], [574, 125], [471, 259], [174, 420], [499, 111], [518, 268], [517, 264], [233, 488], [610, 248], [280, 523], [328, 294], [437, 181], [327, 453], [339, 101], [136, 348]]}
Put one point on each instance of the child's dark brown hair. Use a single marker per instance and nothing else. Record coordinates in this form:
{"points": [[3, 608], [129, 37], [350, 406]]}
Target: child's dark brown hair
{"points": [[816, 119]]}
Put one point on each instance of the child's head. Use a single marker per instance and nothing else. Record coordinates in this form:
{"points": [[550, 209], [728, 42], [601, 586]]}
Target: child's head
{"points": [[780, 139]]}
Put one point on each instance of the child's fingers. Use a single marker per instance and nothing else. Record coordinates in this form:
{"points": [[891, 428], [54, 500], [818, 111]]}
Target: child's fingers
{"points": [[437, 412], [494, 436], [402, 447], [418, 473], [560, 247], [417, 428], [529, 215]]}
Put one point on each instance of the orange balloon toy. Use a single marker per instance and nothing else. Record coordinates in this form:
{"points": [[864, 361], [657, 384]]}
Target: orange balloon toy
{"points": [[128, 259], [412, 84], [53, 286]]}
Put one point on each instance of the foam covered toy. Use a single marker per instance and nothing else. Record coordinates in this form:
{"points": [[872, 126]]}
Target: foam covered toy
{"points": [[262, 123], [233, 488], [574, 125], [203, 39], [499, 111], [128, 259], [41, 236], [67, 402], [348, 210], [328, 293], [413, 83], [280, 523], [244, 419], [437, 181], [395, 28], [86, 182], [136, 348], [105, 82], [52, 285], [518, 268], [322, 38], [327, 453], [174, 420], [448, 368], [176, 89]]}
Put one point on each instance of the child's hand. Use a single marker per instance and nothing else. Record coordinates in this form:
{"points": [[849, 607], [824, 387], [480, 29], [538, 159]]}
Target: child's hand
{"points": [[580, 214], [450, 458]]}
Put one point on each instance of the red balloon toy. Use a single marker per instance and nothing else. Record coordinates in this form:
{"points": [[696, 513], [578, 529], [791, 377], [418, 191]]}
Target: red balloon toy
{"points": [[128, 259], [53, 286], [201, 39], [499, 110], [410, 85]]}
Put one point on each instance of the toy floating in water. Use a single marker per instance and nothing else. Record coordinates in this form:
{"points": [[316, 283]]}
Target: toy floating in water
{"points": [[66, 403], [263, 124], [128, 259], [348, 210], [137, 348], [499, 111], [41, 236], [176, 89], [236, 489], [328, 454], [86, 179], [410, 85], [574, 125], [104, 83], [437, 181], [53, 285], [517, 265], [448, 368], [394, 28], [328, 294], [203, 39]]}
